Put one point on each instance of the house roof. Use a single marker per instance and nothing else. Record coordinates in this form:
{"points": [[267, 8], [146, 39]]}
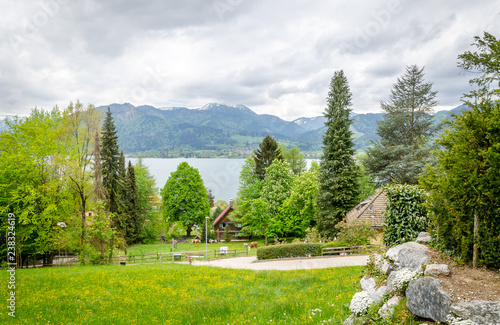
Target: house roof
{"points": [[226, 211], [370, 210]]}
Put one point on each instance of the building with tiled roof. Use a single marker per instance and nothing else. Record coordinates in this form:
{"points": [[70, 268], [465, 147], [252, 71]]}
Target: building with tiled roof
{"points": [[370, 210], [222, 222]]}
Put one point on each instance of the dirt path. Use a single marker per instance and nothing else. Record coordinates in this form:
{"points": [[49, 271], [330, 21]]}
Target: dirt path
{"points": [[251, 263]]}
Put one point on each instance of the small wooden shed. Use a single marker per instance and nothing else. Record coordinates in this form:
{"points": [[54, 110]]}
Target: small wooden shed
{"points": [[222, 222], [370, 210]]}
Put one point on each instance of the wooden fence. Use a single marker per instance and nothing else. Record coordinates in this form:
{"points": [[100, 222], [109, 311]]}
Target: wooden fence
{"points": [[230, 252], [352, 250]]}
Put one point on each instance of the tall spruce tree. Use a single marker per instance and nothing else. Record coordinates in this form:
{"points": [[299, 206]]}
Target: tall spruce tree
{"points": [[404, 149], [264, 155], [110, 157], [99, 190], [338, 172], [134, 220]]}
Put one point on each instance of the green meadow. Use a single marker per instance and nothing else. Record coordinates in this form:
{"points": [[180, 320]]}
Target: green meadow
{"points": [[179, 294]]}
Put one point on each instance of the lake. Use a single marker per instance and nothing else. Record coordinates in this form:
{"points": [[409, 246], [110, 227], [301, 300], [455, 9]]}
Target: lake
{"points": [[219, 175]]}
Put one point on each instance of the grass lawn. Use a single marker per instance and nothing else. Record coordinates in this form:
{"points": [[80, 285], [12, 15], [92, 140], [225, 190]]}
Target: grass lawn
{"points": [[185, 247], [179, 294]]}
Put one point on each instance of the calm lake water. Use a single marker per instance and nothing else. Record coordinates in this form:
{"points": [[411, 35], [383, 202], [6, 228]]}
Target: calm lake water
{"points": [[218, 174]]}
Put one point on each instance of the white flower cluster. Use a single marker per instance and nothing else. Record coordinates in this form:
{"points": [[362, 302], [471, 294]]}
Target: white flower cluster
{"points": [[360, 302], [404, 277]]}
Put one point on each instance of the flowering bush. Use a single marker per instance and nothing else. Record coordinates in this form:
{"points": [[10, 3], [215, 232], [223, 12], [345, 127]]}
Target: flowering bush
{"points": [[403, 278], [360, 302]]}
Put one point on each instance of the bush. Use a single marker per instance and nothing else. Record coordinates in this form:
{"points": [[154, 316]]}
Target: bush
{"points": [[356, 233], [405, 213], [289, 250]]}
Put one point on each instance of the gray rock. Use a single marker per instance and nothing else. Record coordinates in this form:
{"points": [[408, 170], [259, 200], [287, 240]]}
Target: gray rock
{"points": [[437, 269], [481, 312], [390, 280], [424, 237], [388, 308], [369, 285], [426, 298], [393, 253], [412, 259]]}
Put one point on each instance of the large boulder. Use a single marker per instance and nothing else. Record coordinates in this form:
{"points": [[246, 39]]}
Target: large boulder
{"points": [[393, 252], [426, 298], [409, 255], [480, 312]]}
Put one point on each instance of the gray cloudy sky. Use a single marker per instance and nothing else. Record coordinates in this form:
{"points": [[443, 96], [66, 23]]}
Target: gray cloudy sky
{"points": [[274, 56]]}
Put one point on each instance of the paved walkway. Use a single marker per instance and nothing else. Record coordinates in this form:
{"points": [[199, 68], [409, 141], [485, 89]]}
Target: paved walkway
{"points": [[251, 263]]}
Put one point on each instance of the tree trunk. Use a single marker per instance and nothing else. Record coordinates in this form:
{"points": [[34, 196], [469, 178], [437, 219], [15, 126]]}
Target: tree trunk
{"points": [[188, 232], [476, 239]]}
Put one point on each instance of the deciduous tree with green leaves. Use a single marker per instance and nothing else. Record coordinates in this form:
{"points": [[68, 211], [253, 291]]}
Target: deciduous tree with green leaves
{"points": [[338, 188], [184, 197], [300, 208]]}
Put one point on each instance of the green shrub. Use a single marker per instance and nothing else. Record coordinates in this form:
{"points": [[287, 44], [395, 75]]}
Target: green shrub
{"points": [[405, 213], [355, 233], [336, 243], [288, 250]]}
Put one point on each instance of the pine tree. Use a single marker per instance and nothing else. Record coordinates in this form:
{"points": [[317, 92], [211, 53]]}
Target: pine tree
{"points": [[338, 174], [110, 163], [404, 148], [134, 221], [265, 154], [110, 173], [99, 190]]}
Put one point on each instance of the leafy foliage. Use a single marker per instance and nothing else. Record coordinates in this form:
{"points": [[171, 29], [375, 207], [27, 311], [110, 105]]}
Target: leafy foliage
{"points": [[263, 215], [288, 250], [294, 158], [184, 197], [487, 63], [338, 190], [300, 207], [466, 182], [405, 214], [356, 233]]}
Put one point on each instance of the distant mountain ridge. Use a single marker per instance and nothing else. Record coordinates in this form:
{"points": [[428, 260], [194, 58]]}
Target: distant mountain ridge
{"points": [[223, 128]]}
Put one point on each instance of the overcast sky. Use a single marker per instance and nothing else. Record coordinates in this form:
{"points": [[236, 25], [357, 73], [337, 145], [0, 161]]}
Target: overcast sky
{"points": [[276, 57]]}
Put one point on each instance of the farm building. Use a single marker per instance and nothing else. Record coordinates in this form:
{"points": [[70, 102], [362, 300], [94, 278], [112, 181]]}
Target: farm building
{"points": [[222, 222], [370, 210]]}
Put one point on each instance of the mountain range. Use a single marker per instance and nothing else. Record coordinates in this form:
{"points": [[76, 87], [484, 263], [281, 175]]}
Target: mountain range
{"points": [[223, 130], [216, 130]]}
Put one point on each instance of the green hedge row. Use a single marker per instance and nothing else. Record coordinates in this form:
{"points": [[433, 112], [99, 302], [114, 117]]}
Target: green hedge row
{"points": [[288, 250]]}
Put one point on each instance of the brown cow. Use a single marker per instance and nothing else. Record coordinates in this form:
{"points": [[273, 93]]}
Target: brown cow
{"points": [[253, 244]]}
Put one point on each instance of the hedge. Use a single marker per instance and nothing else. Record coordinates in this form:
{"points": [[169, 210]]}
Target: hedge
{"points": [[288, 250]]}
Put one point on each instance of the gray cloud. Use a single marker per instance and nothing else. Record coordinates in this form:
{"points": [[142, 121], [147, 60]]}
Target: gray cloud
{"points": [[275, 57]]}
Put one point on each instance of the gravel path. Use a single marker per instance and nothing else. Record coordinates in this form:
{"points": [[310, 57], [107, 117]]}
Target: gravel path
{"points": [[251, 263]]}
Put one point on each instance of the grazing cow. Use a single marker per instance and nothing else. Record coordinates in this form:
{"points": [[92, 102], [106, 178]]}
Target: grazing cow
{"points": [[253, 244], [195, 241], [245, 245]]}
